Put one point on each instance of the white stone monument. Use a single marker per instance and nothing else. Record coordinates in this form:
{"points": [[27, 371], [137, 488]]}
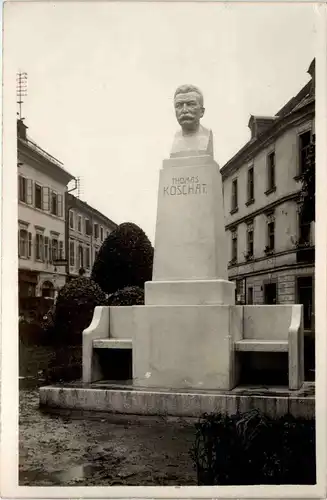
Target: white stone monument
{"points": [[182, 335], [187, 339]]}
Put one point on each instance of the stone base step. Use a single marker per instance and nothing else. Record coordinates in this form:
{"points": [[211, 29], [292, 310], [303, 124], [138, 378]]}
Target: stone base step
{"points": [[126, 399]]}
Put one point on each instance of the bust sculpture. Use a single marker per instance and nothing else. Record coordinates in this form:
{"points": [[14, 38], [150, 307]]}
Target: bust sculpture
{"points": [[193, 139]]}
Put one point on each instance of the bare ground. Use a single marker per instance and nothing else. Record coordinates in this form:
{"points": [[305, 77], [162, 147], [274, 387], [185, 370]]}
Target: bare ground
{"points": [[102, 450]]}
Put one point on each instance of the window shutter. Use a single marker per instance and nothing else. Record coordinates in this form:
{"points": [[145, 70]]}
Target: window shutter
{"points": [[18, 243], [61, 249], [46, 199], [29, 254], [50, 250], [59, 198], [29, 198]]}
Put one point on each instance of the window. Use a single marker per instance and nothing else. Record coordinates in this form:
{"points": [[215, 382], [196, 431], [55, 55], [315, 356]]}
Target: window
{"points": [[46, 248], [234, 195], [56, 204], [54, 249], [96, 230], [61, 250], [95, 254], [305, 296], [71, 219], [271, 235], [250, 295], [250, 184], [304, 146], [72, 253], [25, 190], [80, 256], [39, 248], [271, 171], [234, 246], [25, 244], [79, 223], [101, 233], [107, 234], [38, 196], [304, 231], [88, 230], [250, 238], [87, 258]]}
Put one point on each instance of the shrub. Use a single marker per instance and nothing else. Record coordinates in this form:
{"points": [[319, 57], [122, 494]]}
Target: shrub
{"points": [[75, 305], [250, 448], [125, 259], [129, 296], [48, 322]]}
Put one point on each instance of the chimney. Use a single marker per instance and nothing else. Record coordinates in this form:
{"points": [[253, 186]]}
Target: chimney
{"points": [[259, 124], [21, 129]]}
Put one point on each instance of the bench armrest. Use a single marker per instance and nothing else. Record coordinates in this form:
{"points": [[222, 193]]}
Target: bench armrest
{"points": [[98, 329], [296, 349]]}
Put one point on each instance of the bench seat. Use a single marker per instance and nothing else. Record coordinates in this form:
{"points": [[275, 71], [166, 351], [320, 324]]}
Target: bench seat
{"points": [[110, 343], [251, 345]]}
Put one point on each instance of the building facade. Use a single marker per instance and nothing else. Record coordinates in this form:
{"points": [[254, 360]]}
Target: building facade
{"points": [[86, 230], [271, 246], [42, 184]]}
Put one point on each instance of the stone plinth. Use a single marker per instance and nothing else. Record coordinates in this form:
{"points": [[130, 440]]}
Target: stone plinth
{"points": [[184, 346], [190, 242], [190, 292]]}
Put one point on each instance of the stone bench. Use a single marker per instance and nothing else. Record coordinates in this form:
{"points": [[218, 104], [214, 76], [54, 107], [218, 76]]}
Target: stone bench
{"points": [[276, 328], [257, 329]]}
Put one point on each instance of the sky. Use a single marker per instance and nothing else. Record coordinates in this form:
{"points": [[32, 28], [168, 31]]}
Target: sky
{"points": [[101, 79]]}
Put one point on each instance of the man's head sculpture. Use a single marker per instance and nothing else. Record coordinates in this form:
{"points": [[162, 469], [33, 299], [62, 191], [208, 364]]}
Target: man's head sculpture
{"points": [[188, 103]]}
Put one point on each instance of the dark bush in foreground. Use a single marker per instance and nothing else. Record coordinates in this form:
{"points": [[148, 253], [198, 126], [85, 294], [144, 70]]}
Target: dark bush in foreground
{"points": [[125, 259], [75, 305], [249, 449], [129, 296]]}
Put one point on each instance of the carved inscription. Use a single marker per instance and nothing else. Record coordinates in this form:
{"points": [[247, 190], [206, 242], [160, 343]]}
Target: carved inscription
{"points": [[185, 186]]}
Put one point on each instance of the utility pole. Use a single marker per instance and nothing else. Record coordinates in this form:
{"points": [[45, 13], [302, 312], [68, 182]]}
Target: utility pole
{"points": [[21, 91]]}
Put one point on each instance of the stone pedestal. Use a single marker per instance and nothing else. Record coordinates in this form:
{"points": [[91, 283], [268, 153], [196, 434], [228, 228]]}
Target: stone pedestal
{"points": [[182, 336], [190, 241], [184, 346]]}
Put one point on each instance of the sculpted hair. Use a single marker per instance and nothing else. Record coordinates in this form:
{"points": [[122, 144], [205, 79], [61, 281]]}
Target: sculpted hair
{"points": [[183, 89]]}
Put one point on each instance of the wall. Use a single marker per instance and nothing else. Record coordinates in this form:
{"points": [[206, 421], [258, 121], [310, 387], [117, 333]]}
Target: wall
{"points": [[36, 217]]}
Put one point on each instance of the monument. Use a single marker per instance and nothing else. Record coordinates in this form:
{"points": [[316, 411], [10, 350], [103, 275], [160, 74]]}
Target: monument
{"points": [[187, 339]]}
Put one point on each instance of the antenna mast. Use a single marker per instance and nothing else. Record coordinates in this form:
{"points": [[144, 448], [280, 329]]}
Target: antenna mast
{"points": [[21, 90]]}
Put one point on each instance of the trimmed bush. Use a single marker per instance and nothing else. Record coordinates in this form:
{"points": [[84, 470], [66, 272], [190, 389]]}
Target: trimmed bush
{"points": [[129, 296], [125, 259], [250, 449], [75, 305]]}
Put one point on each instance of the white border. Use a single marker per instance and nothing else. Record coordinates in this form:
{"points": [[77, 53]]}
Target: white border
{"points": [[9, 314]]}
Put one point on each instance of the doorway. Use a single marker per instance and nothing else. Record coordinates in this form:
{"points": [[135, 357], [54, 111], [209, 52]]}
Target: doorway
{"points": [[270, 293]]}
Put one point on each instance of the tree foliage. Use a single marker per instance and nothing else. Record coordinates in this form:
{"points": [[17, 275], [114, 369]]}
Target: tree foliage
{"points": [[125, 259], [75, 305], [129, 296], [308, 190]]}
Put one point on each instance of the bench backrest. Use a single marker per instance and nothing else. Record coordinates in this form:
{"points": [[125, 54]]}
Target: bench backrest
{"points": [[267, 322]]}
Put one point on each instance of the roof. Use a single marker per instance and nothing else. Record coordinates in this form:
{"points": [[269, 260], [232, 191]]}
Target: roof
{"points": [[35, 148], [299, 102], [83, 205]]}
